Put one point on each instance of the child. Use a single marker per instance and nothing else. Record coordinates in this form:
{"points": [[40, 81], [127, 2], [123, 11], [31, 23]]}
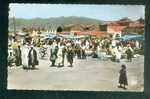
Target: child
{"points": [[123, 77]]}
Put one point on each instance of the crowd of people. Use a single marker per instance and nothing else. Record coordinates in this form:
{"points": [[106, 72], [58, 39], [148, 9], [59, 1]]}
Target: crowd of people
{"points": [[27, 53]]}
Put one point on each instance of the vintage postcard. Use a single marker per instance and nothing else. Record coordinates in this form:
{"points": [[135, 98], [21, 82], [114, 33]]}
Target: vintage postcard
{"points": [[76, 47]]}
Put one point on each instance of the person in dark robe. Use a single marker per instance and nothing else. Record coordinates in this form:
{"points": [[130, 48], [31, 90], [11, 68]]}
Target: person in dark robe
{"points": [[32, 58], [18, 56], [123, 77], [129, 54], [11, 59], [83, 52], [78, 51], [53, 55], [15, 55], [70, 55]]}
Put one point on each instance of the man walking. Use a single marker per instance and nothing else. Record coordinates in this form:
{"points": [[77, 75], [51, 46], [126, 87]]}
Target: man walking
{"points": [[70, 55], [32, 58], [53, 55]]}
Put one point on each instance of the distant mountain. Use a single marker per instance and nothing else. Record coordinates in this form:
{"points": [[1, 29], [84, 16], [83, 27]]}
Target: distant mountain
{"points": [[52, 22]]}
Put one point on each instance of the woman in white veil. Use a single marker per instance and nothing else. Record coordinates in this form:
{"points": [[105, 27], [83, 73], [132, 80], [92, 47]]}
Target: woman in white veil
{"points": [[25, 52]]}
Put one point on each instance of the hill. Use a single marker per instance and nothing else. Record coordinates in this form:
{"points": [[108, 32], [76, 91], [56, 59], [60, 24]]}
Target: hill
{"points": [[52, 22]]}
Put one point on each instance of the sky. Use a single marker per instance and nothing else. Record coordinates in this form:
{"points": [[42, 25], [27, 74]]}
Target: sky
{"points": [[101, 12]]}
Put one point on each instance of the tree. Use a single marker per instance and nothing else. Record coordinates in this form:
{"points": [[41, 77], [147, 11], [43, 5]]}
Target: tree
{"points": [[141, 20], [59, 29]]}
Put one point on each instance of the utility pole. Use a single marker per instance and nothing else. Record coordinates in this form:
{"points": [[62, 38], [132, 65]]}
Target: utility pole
{"points": [[14, 22]]}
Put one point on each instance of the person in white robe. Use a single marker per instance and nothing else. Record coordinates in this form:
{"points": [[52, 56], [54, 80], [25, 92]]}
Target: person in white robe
{"points": [[25, 52], [113, 43], [137, 44], [59, 56], [99, 51], [117, 54]]}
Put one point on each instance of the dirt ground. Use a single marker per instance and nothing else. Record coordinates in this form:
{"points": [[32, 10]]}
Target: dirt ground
{"points": [[87, 75]]}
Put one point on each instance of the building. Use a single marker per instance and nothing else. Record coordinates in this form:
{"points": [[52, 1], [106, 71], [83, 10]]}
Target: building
{"points": [[114, 28], [135, 27], [82, 27]]}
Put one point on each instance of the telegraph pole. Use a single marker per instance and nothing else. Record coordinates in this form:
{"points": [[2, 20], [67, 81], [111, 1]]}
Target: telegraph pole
{"points": [[14, 22]]}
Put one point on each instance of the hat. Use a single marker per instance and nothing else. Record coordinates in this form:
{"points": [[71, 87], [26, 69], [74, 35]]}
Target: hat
{"points": [[123, 66]]}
